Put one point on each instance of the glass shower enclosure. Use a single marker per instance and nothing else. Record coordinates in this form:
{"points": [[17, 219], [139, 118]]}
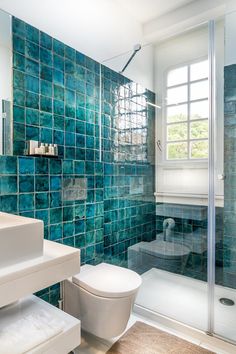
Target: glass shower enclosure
{"points": [[170, 197]]}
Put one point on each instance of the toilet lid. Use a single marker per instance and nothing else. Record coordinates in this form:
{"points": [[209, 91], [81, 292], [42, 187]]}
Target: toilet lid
{"points": [[107, 280]]}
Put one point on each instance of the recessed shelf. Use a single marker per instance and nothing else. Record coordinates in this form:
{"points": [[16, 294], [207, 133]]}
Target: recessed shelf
{"points": [[58, 263], [66, 337]]}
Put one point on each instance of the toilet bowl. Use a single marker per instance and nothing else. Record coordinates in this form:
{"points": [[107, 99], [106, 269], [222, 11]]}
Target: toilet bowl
{"points": [[102, 297]]}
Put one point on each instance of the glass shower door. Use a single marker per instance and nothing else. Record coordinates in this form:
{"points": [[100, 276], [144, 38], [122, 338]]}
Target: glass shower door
{"points": [[174, 264], [225, 266]]}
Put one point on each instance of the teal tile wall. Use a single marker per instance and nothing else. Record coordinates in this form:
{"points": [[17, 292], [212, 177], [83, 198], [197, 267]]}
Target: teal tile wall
{"points": [[56, 99], [229, 243]]}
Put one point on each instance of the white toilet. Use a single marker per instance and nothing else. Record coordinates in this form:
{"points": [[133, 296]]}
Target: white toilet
{"points": [[102, 297]]}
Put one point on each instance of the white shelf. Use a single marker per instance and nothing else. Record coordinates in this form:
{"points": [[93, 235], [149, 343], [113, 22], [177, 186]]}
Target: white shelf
{"points": [[62, 343], [58, 263]]}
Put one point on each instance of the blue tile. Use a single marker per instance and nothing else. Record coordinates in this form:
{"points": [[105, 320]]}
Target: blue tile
{"points": [[32, 116], [8, 203], [41, 166], [55, 215], [46, 56], [32, 50], [26, 183], [45, 40], [58, 47], [58, 77], [18, 44], [32, 33], [46, 73], [55, 183], [32, 133], [32, 100], [26, 202], [31, 67], [41, 183], [55, 199], [18, 80], [26, 165], [58, 107], [58, 62], [68, 167], [55, 167], [42, 215], [58, 137], [55, 232], [46, 119], [46, 135], [58, 93], [8, 184], [18, 114], [46, 88], [18, 27], [32, 83], [46, 104], [79, 167], [41, 200], [18, 61], [19, 97]]}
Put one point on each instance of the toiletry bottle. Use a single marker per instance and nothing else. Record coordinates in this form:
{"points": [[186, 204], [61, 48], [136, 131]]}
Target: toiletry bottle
{"points": [[46, 148], [42, 148], [51, 149], [55, 148]]}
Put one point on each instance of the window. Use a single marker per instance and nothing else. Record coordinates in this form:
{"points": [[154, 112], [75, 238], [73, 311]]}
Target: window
{"points": [[186, 113]]}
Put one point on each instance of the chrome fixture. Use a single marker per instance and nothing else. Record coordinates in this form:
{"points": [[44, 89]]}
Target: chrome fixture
{"points": [[137, 48]]}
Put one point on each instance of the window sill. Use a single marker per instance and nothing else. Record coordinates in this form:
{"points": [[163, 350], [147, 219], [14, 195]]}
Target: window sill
{"points": [[187, 198], [183, 164]]}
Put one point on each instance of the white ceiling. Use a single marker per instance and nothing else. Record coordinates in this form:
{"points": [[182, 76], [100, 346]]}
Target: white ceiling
{"points": [[102, 28], [146, 10]]}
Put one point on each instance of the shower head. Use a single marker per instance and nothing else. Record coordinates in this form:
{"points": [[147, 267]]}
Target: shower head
{"points": [[137, 47]]}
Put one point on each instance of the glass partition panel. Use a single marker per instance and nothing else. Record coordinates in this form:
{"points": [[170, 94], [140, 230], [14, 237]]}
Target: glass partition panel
{"points": [[225, 265]]}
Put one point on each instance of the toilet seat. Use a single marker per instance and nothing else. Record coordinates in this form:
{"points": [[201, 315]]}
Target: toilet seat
{"points": [[108, 281]]}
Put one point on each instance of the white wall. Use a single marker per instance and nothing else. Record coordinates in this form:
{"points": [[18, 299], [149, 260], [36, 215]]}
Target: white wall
{"points": [[100, 29], [188, 178], [140, 68], [230, 37]]}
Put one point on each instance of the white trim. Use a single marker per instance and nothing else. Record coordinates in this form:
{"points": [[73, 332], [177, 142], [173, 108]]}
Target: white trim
{"points": [[189, 199]]}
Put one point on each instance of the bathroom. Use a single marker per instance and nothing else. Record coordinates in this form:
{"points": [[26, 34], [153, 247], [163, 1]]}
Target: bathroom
{"points": [[117, 196]]}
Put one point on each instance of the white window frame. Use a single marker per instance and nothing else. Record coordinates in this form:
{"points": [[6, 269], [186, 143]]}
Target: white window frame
{"points": [[189, 160]]}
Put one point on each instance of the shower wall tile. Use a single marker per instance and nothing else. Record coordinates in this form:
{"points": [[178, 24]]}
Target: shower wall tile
{"points": [[56, 99]]}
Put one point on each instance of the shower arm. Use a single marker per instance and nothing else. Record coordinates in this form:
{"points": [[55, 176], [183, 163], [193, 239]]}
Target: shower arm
{"points": [[137, 48]]}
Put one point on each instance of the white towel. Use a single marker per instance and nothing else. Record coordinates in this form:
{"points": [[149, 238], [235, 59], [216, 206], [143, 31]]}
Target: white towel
{"points": [[28, 332]]}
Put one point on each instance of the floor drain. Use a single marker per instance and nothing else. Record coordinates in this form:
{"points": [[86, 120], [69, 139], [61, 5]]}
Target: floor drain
{"points": [[227, 302]]}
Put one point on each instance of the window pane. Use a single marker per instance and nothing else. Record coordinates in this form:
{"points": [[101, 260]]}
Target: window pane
{"points": [[199, 70], [199, 90], [199, 110], [177, 113], [177, 95], [177, 151], [177, 76], [199, 129], [199, 149], [177, 132]]}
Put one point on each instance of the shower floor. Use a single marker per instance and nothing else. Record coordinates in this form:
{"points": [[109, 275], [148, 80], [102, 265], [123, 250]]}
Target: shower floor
{"points": [[185, 300]]}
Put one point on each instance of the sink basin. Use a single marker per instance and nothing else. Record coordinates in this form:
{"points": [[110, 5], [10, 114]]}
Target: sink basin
{"points": [[21, 239]]}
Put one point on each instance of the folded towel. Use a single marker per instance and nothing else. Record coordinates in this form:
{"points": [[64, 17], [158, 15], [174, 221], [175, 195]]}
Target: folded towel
{"points": [[29, 332]]}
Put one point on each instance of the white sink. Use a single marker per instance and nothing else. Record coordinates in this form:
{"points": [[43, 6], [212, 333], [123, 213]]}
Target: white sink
{"points": [[21, 239]]}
